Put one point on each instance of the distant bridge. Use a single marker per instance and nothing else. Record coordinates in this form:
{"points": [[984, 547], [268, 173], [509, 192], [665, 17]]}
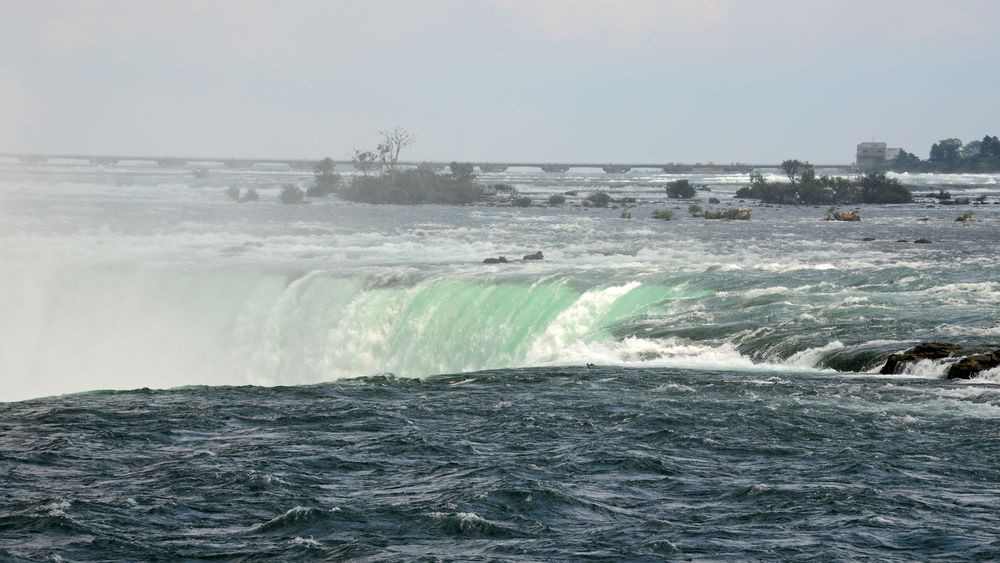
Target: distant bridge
{"points": [[308, 164]]}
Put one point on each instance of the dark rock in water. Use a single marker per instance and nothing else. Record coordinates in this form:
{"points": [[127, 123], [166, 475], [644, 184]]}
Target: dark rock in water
{"points": [[923, 241], [497, 260], [902, 240], [868, 239], [714, 200], [968, 367], [535, 256], [923, 351]]}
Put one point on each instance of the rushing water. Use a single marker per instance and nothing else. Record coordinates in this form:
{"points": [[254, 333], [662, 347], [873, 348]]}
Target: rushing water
{"points": [[732, 412]]}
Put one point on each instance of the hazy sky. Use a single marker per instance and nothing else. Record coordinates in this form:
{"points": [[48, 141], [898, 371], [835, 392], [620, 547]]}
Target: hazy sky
{"points": [[538, 80]]}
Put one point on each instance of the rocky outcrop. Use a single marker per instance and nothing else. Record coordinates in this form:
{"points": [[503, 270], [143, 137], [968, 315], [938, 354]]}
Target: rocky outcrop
{"points": [[923, 241], [842, 216], [970, 366], [895, 363], [497, 260], [535, 256]]}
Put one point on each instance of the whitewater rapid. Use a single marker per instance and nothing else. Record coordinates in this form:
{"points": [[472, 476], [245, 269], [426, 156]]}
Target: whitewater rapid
{"points": [[129, 277]]}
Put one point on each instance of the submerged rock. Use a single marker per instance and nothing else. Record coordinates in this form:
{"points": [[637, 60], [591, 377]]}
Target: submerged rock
{"points": [[538, 255], [895, 363], [923, 241], [970, 366]]}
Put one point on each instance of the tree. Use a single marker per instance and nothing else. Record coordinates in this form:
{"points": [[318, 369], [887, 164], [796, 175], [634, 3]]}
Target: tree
{"points": [[393, 142], [906, 162], [557, 199], [990, 146], [798, 171], [971, 149], [364, 161], [462, 172], [680, 188], [325, 180], [946, 150]]}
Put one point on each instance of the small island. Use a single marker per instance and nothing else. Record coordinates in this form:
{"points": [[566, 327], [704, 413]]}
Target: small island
{"points": [[805, 188]]}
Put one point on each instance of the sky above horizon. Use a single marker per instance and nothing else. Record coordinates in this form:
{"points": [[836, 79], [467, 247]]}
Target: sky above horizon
{"points": [[498, 80]]}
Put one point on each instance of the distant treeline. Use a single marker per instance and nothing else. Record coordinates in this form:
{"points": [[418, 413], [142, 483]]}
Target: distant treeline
{"points": [[805, 188], [950, 155]]}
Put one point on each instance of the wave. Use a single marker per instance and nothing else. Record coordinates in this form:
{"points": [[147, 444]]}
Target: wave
{"points": [[121, 328]]}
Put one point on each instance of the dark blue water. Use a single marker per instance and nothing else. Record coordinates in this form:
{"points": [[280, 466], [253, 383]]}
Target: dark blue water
{"points": [[540, 464]]}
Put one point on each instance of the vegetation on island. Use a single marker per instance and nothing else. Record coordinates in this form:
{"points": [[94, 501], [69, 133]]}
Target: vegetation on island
{"points": [[663, 214], [325, 180], [805, 188], [233, 193], [598, 199], [556, 199], [291, 193], [680, 189], [394, 185], [950, 155]]}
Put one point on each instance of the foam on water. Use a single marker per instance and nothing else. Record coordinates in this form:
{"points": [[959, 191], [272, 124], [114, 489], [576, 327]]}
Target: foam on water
{"points": [[139, 276]]}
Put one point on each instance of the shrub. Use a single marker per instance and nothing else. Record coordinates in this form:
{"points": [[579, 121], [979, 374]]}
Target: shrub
{"points": [[714, 200], [694, 209], [521, 201], [680, 189], [291, 194], [966, 216], [664, 214], [557, 199], [599, 199], [807, 189], [411, 187], [325, 180], [625, 200], [233, 193], [249, 195]]}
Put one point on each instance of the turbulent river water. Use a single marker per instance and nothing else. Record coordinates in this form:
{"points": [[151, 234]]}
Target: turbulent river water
{"points": [[188, 377]]}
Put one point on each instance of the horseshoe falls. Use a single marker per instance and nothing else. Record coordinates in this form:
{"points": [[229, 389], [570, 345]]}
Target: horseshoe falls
{"points": [[212, 379]]}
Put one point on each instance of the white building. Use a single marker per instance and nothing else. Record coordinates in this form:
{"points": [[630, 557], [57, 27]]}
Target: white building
{"points": [[872, 155]]}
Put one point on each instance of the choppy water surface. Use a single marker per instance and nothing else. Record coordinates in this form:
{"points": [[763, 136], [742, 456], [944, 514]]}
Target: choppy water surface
{"points": [[730, 414], [564, 464]]}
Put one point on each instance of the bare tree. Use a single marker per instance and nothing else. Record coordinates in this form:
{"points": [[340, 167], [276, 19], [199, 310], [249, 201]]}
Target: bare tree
{"points": [[392, 143]]}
